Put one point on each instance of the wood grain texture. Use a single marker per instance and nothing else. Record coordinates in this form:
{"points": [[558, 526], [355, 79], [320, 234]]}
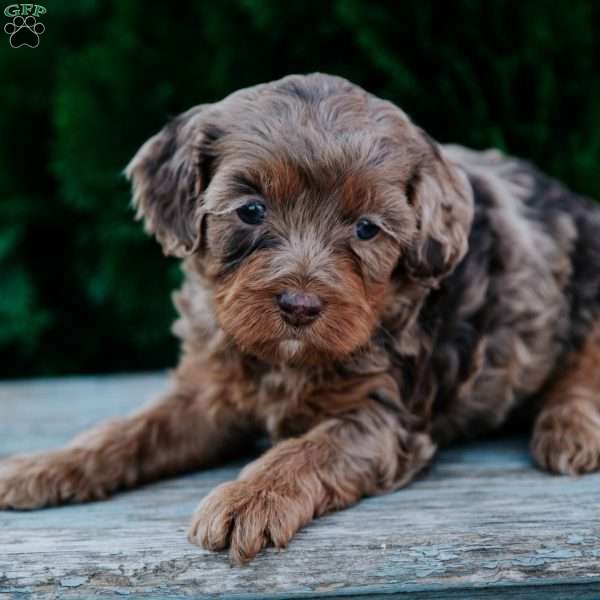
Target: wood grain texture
{"points": [[480, 524]]}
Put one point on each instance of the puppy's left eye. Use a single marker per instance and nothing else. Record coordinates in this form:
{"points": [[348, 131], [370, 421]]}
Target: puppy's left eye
{"points": [[366, 230], [252, 213]]}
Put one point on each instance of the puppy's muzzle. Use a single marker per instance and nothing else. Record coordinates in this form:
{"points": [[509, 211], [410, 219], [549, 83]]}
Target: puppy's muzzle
{"points": [[299, 308]]}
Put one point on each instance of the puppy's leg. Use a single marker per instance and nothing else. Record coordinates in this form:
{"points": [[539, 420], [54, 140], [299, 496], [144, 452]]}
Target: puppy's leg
{"points": [[566, 436], [169, 436], [329, 468]]}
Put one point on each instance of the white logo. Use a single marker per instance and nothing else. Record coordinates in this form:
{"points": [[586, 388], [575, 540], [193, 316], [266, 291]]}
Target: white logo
{"points": [[24, 29]]}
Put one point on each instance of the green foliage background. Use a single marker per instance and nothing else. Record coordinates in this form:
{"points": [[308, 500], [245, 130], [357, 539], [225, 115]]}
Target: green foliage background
{"points": [[81, 287]]}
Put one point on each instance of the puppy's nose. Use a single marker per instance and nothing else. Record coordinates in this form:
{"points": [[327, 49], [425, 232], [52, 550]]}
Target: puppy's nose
{"points": [[299, 308]]}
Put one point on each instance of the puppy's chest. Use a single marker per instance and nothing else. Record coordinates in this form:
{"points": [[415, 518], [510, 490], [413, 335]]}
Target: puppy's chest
{"points": [[282, 403], [288, 402]]}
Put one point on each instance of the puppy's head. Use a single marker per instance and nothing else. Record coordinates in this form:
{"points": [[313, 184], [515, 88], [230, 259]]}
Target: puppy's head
{"points": [[304, 203]]}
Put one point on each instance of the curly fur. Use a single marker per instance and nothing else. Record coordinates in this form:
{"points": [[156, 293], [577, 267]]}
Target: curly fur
{"points": [[477, 302]]}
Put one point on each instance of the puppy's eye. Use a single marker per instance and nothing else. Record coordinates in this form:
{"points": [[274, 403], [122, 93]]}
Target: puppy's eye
{"points": [[366, 230], [252, 213]]}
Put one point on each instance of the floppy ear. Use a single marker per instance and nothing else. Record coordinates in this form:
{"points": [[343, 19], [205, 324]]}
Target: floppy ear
{"points": [[169, 173], [443, 200]]}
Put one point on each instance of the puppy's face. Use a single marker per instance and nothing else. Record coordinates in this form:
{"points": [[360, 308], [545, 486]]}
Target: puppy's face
{"points": [[305, 203], [301, 256]]}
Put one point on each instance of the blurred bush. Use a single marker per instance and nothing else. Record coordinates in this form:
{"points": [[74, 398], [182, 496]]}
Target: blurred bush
{"points": [[83, 290]]}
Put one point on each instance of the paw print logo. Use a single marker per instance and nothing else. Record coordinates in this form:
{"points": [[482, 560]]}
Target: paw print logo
{"points": [[24, 31]]}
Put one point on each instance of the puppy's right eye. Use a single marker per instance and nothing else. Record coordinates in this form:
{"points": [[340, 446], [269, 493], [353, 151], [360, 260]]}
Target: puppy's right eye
{"points": [[252, 213], [366, 230]]}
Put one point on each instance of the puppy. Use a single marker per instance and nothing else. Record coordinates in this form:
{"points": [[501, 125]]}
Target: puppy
{"points": [[356, 291]]}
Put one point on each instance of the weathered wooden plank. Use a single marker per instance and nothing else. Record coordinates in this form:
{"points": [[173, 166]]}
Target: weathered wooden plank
{"points": [[480, 523]]}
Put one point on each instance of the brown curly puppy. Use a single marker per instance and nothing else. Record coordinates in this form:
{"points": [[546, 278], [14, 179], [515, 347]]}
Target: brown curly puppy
{"points": [[356, 291]]}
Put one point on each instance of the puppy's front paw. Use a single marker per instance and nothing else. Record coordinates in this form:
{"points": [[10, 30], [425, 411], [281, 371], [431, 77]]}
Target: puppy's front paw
{"points": [[37, 480], [246, 517]]}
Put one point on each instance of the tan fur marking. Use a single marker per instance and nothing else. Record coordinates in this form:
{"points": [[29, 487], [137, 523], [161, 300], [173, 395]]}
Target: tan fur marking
{"points": [[329, 468], [566, 437]]}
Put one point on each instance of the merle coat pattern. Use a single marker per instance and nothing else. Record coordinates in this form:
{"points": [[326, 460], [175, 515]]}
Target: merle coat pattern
{"points": [[431, 293]]}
